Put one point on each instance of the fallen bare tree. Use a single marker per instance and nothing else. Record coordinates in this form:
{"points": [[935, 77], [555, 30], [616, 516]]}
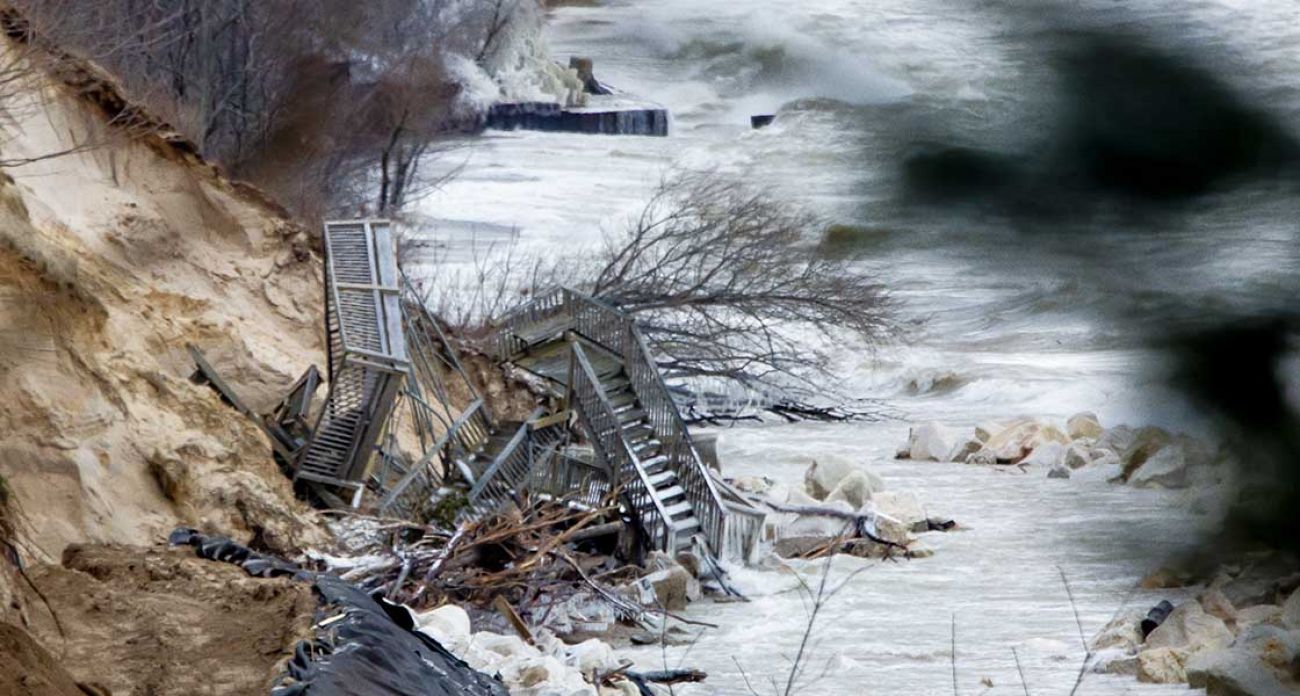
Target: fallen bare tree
{"points": [[728, 286]]}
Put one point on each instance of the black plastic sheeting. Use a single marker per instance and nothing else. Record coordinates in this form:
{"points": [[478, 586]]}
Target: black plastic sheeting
{"points": [[364, 645]]}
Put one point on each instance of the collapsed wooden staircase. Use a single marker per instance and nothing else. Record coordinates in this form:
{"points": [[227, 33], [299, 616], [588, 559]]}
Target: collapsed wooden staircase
{"points": [[595, 356], [390, 364]]}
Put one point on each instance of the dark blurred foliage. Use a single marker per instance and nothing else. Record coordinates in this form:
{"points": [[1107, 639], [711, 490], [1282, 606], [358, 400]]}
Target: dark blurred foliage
{"points": [[1139, 126]]}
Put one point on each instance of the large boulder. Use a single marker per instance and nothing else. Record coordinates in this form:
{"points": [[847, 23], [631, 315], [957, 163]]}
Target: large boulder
{"points": [[855, 489], [1077, 455], [1166, 468], [821, 525], [1161, 666], [903, 506], [1272, 645], [671, 588], [1022, 437], [1190, 628], [1048, 455], [1117, 439], [1082, 425], [826, 473], [1123, 633], [1233, 673], [1146, 442], [934, 442]]}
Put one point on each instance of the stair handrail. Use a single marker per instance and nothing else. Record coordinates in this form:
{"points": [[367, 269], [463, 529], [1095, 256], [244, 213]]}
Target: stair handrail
{"points": [[544, 305], [617, 331], [638, 485]]}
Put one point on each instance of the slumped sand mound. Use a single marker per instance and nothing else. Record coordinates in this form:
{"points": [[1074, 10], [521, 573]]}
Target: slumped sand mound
{"points": [[161, 621]]}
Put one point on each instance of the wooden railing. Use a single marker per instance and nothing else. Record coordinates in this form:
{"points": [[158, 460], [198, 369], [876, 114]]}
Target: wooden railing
{"points": [[515, 465], [563, 477], [617, 332], [613, 450], [511, 329]]}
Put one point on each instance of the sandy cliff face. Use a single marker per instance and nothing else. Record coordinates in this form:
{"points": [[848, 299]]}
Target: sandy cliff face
{"points": [[112, 259]]}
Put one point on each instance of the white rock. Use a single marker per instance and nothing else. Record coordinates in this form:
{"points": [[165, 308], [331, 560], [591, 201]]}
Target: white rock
{"points": [[825, 473], [893, 529], [963, 450], [1189, 627], [1023, 437], [671, 588], [1077, 455], [543, 675], [984, 457], [1123, 633], [1273, 645], [986, 430], [1083, 425], [903, 506], [933, 442], [1166, 468], [1117, 439], [1059, 471], [448, 619], [509, 647], [1161, 666], [1147, 441], [1268, 614], [1047, 455], [1233, 673], [592, 656], [855, 489]]}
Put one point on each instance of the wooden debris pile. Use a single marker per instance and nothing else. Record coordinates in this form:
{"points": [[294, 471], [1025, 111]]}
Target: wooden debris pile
{"points": [[532, 557]]}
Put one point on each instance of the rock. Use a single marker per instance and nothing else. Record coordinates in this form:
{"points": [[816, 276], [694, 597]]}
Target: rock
{"points": [[1017, 441], [1161, 666], [1059, 471], [1215, 603], [1233, 673], [448, 624], [1166, 468], [903, 506], [672, 588], [797, 546], [544, 675], [1266, 614], [827, 472], [855, 489], [1272, 645], [964, 450], [892, 529], [1126, 665], [1291, 611], [1083, 425], [1077, 455], [591, 656], [986, 430], [1165, 578], [984, 457], [1190, 628], [1146, 442], [1047, 455], [1117, 439], [1124, 633], [933, 442]]}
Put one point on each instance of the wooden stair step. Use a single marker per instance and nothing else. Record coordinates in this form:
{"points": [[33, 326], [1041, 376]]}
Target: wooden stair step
{"points": [[676, 509], [661, 478], [670, 492]]}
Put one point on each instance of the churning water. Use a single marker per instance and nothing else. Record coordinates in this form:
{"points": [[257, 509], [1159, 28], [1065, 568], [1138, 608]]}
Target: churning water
{"points": [[1000, 326]]}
